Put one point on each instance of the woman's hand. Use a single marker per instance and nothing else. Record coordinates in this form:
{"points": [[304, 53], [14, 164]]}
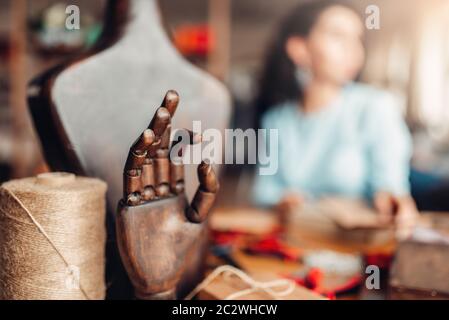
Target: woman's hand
{"points": [[286, 205], [289, 202], [400, 211]]}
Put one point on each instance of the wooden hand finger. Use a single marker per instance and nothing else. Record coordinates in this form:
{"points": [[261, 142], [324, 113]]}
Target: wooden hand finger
{"points": [[183, 138], [177, 184], [205, 196], [132, 187], [171, 102], [138, 150]]}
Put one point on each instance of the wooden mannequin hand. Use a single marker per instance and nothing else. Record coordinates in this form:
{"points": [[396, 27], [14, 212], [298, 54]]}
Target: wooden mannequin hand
{"points": [[155, 224]]}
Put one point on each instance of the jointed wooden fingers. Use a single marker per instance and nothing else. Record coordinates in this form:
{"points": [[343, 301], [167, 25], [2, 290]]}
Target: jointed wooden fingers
{"points": [[152, 174]]}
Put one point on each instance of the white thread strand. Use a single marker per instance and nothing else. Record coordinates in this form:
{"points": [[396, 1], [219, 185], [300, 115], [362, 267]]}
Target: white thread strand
{"points": [[255, 285]]}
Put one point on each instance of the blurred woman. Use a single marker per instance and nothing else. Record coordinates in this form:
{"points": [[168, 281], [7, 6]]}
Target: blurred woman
{"points": [[336, 137]]}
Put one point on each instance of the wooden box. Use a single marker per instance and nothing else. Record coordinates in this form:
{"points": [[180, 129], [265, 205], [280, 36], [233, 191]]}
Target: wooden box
{"points": [[421, 269]]}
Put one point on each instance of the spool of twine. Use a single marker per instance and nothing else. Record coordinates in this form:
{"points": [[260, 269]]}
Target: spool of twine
{"points": [[52, 238]]}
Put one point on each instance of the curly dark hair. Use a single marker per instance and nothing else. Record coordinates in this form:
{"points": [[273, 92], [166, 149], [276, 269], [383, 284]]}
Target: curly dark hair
{"points": [[278, 83]]}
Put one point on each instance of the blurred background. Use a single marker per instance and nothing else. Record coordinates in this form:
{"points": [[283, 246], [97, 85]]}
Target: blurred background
{"points": [[408, 55]]}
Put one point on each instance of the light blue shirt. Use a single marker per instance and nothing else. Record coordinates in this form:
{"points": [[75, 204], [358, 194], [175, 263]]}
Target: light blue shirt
{"points": [[353, 148]]}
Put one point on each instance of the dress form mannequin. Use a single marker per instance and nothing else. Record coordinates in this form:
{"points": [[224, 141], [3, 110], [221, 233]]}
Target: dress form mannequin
{"points": [[104, 101], [89, 112]]}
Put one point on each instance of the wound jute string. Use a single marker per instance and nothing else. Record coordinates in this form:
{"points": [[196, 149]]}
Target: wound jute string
{"points": [[276, 289], [52, 238]]}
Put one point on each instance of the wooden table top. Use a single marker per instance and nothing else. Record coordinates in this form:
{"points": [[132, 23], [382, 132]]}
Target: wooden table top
{"points": [[260, 221]]}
